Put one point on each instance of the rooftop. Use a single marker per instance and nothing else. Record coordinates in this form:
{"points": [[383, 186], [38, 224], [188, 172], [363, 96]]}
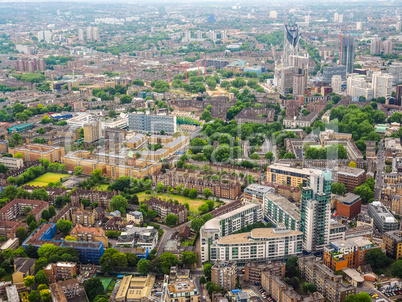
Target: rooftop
{"points": [[262, 233], [346, 170], [284, 204]]}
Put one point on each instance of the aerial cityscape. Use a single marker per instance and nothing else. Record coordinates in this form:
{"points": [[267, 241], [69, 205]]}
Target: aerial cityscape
{"points": [[200, 151]]}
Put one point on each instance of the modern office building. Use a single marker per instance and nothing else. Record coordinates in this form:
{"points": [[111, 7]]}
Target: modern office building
{"points": [[281, 212], [152, 123], [383, 219], [259, 245], [226, 224], [347, 53], [393, 244], [224, 273], [316, 211], [349, 206]]}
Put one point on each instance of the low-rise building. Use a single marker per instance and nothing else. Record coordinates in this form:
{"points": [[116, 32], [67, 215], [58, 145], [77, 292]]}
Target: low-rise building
{"points": [[139, 237], [60, 271], [135, 216], [224, 273], [328, 284], [32, 152], [135, 288], [253, 271], [12, 162], [255, 192], [23, 267], [260, 245], [63, 291], [11, 244], [16, 207], [349, 206], [183, 291]]}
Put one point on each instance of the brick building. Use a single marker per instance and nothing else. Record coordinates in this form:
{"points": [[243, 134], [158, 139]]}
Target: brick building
{"points": [[63, 291], [350, 177], [9, 228], [218, 189], [16, 207], [393, 244], [224, 273], [164, 208], [253, 271], [349, 205], [60, 271], [255, 115], [101, 197], [32, 152], [90, 234]]}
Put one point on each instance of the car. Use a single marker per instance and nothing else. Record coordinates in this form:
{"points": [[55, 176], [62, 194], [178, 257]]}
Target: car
{"points": [[375, 296]]}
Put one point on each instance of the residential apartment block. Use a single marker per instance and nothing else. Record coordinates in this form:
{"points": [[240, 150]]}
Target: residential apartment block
{"points": [[32, 152], [152, 123], [224, 273], [11, 162], [328, 284], [260, 245], [281, 212], [89, 234], [253, 271], [351, 253], [350, 177], [226, 224], [183, 291], [393, 244], [60, 271], [286, 175], [16, 207], [164, 208]]}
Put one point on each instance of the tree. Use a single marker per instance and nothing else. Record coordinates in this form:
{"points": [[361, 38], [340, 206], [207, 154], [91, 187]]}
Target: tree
{"points": [[93, 287], [45, 295], [10, 192], [207, 270], [42, 286], [64, 226], [203, 208], [211, 204], [186, 191], [126, 99], [132, 259], [160, 187], [29, 281], [33, 296], [41, 278], [396, 269], [207, 217], [46, 215], [21, 234], [78, 170], [197, 223], [352, 164], [171, 220], [338, 188], [193, 193], [18, 155], [70, 238], [377, 259], [207, 193], [11, 180], [52, 211], [270, 156], [361, 297], [187, 205], [188, 258], [30, 218], [120, 259], [117, 202], [143, 266], [107, 262], [101, 298], [211, 83]]}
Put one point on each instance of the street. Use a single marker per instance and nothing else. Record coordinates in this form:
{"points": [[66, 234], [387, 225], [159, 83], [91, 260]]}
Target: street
{"points": [[380, 168]]}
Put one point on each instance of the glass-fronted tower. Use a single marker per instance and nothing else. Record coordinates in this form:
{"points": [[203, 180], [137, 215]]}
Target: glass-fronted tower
{"points": [[347, 53]]}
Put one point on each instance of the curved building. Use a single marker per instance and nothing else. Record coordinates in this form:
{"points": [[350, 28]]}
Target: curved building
{"points": [[290, 43]]}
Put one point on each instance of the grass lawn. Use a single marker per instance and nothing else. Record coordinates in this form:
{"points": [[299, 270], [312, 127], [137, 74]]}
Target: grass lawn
{"points": [[105, 281], [102, 187], [44, 179], [194, 203]]}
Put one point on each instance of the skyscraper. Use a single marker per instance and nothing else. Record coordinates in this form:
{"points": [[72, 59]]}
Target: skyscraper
{"points": [[80, 34], [89, 33], [347, 53], [336, 17], [382, 84], [316, 211], [336, 83], [387, 45], [290, 43], [95, 34], [398, 99]]}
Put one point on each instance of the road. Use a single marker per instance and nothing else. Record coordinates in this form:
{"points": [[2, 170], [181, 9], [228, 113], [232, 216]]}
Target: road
{"points": [[167, 234], [380, 169]]}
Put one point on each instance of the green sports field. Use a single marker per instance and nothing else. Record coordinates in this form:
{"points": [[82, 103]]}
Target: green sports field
{"points": [[44, 179], [105, 281]]}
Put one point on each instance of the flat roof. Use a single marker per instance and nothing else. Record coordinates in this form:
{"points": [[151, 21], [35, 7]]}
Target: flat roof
{"points": [[285, 204], [261, 233]]}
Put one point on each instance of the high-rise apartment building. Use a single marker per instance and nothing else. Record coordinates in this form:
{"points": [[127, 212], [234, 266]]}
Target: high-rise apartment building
{"points": [[80, 34], [95, 34], [316, 211], [281, 212], [148, 123], [340, 18], [336, 17], [347, 53], [273, 14], [375, 46], [382, 84], [387, 46], [45, 35], [92, 132], [89, 33], [224, 273], [299, 84], [395, 69], [358, 86], [336, 83], [359, 26], [398, 98]]}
